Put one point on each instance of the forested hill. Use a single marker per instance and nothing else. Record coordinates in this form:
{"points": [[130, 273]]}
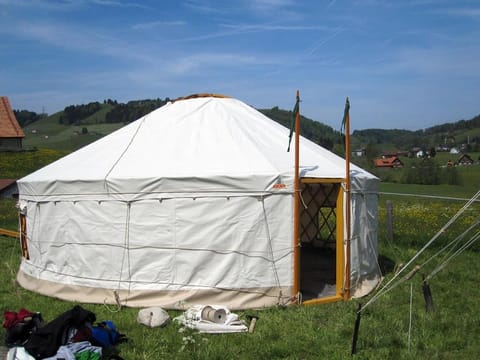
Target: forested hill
{"points": [[462, 131], [319, 133], [110, 111]]}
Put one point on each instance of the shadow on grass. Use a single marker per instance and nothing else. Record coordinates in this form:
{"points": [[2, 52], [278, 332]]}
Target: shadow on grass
{"points": [[387, 265]]}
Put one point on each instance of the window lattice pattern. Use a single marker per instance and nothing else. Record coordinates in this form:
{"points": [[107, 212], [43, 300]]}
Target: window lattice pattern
{"points": [[318, 219]]}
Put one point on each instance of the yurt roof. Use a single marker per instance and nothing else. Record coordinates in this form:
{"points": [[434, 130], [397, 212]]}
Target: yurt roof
{"points": [[201, 137]]}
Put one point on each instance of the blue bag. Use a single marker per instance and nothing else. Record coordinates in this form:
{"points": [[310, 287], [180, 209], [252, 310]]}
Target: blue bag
{"points": [[105, 334]]}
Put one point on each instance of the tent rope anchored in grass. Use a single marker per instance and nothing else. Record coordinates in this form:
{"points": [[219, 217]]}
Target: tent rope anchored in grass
{"points": [[391, 284]]}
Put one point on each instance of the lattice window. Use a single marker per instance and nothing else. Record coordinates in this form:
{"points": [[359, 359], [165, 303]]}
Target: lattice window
{"points": [[318, 220]]}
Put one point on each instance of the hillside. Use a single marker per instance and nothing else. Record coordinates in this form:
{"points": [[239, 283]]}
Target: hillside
{"points": [[78, 125], [319, 133], [449, 135]]}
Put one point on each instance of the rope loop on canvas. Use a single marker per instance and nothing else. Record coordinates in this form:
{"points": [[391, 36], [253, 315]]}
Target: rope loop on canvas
{"points": [[125, 256]]}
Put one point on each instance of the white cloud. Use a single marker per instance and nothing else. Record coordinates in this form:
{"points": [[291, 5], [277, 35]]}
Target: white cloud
{"points": [[473, 13], [63, 5], [240, 29], [203, 6], [42, 4], [155, 24], [79, 39], [189, 63], [115, 3], [271, 4]]}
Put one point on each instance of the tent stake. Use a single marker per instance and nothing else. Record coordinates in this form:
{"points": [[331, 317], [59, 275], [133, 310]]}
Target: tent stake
{"points": [[355, 330], [427, 294]]}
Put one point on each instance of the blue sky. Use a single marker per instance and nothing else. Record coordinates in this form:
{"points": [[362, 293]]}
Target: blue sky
{"points": [[404, 64]]}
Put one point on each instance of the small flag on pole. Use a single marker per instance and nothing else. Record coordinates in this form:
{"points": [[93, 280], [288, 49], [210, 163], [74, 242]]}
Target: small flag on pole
{"points": [[345, 115], [296, 110]]}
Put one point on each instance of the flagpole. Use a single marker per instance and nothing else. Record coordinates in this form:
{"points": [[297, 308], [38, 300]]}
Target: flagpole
{"points": [[296, 208], [348, 199]]}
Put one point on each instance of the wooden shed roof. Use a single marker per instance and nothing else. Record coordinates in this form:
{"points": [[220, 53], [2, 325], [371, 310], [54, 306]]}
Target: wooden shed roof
{"points": [[9, 127]]}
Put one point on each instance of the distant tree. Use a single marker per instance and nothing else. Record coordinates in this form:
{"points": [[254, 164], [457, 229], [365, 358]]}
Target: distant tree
{"points": [[133, 110], [25, 117], [84, 131], [326, 142], [315, 131], [73, 114], [339, 149], [110, 102], [432, 152]]}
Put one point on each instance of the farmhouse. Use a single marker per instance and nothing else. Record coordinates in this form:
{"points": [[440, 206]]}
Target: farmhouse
{"points": [[389, 162], [394, 153], [11, 134], [465, 159]]}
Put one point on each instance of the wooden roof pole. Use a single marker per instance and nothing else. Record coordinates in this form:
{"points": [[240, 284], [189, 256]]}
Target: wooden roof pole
{"points": [[296, 207], [347, 199]]}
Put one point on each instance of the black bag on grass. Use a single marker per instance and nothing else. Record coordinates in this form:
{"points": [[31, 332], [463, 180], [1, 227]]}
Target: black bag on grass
{"points": [[45, 341], [18, 334]]}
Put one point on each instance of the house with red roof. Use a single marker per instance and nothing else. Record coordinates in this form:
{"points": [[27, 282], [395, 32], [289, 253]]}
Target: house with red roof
{"points": [[8, 188], [11, 133], [388, 162]]}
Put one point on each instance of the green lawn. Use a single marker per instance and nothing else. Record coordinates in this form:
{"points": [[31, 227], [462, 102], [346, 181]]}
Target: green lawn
{"points": [[323, 331]]}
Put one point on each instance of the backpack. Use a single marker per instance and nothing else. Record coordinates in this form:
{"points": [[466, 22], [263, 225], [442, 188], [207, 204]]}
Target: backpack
{"points": [[106, 335], [45, 341], [20, 326]]}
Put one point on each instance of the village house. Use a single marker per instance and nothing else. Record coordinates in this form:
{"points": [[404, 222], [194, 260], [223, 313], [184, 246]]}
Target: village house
{"points": [[442, 148], [394, 153], [8, 188], [11, 134], [389, 162], [359, 152], [465, 159]]}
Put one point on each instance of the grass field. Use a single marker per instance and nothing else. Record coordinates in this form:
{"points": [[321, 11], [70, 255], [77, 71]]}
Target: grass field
{"points": [[440, 191], [49, 133], [451, 331]]}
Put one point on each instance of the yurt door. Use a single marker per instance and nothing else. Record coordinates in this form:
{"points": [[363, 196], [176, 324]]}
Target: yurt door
{"points": [[321, 236]]}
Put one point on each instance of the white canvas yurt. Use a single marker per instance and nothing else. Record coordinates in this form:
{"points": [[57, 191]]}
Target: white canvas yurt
{"points": [[194, 204]]}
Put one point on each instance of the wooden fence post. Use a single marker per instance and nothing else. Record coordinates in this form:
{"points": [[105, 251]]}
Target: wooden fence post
{"points": [[390, 220]]}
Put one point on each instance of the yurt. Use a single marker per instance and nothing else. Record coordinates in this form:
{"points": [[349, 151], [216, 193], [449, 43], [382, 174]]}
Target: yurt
{"points": [[194, 204]]}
